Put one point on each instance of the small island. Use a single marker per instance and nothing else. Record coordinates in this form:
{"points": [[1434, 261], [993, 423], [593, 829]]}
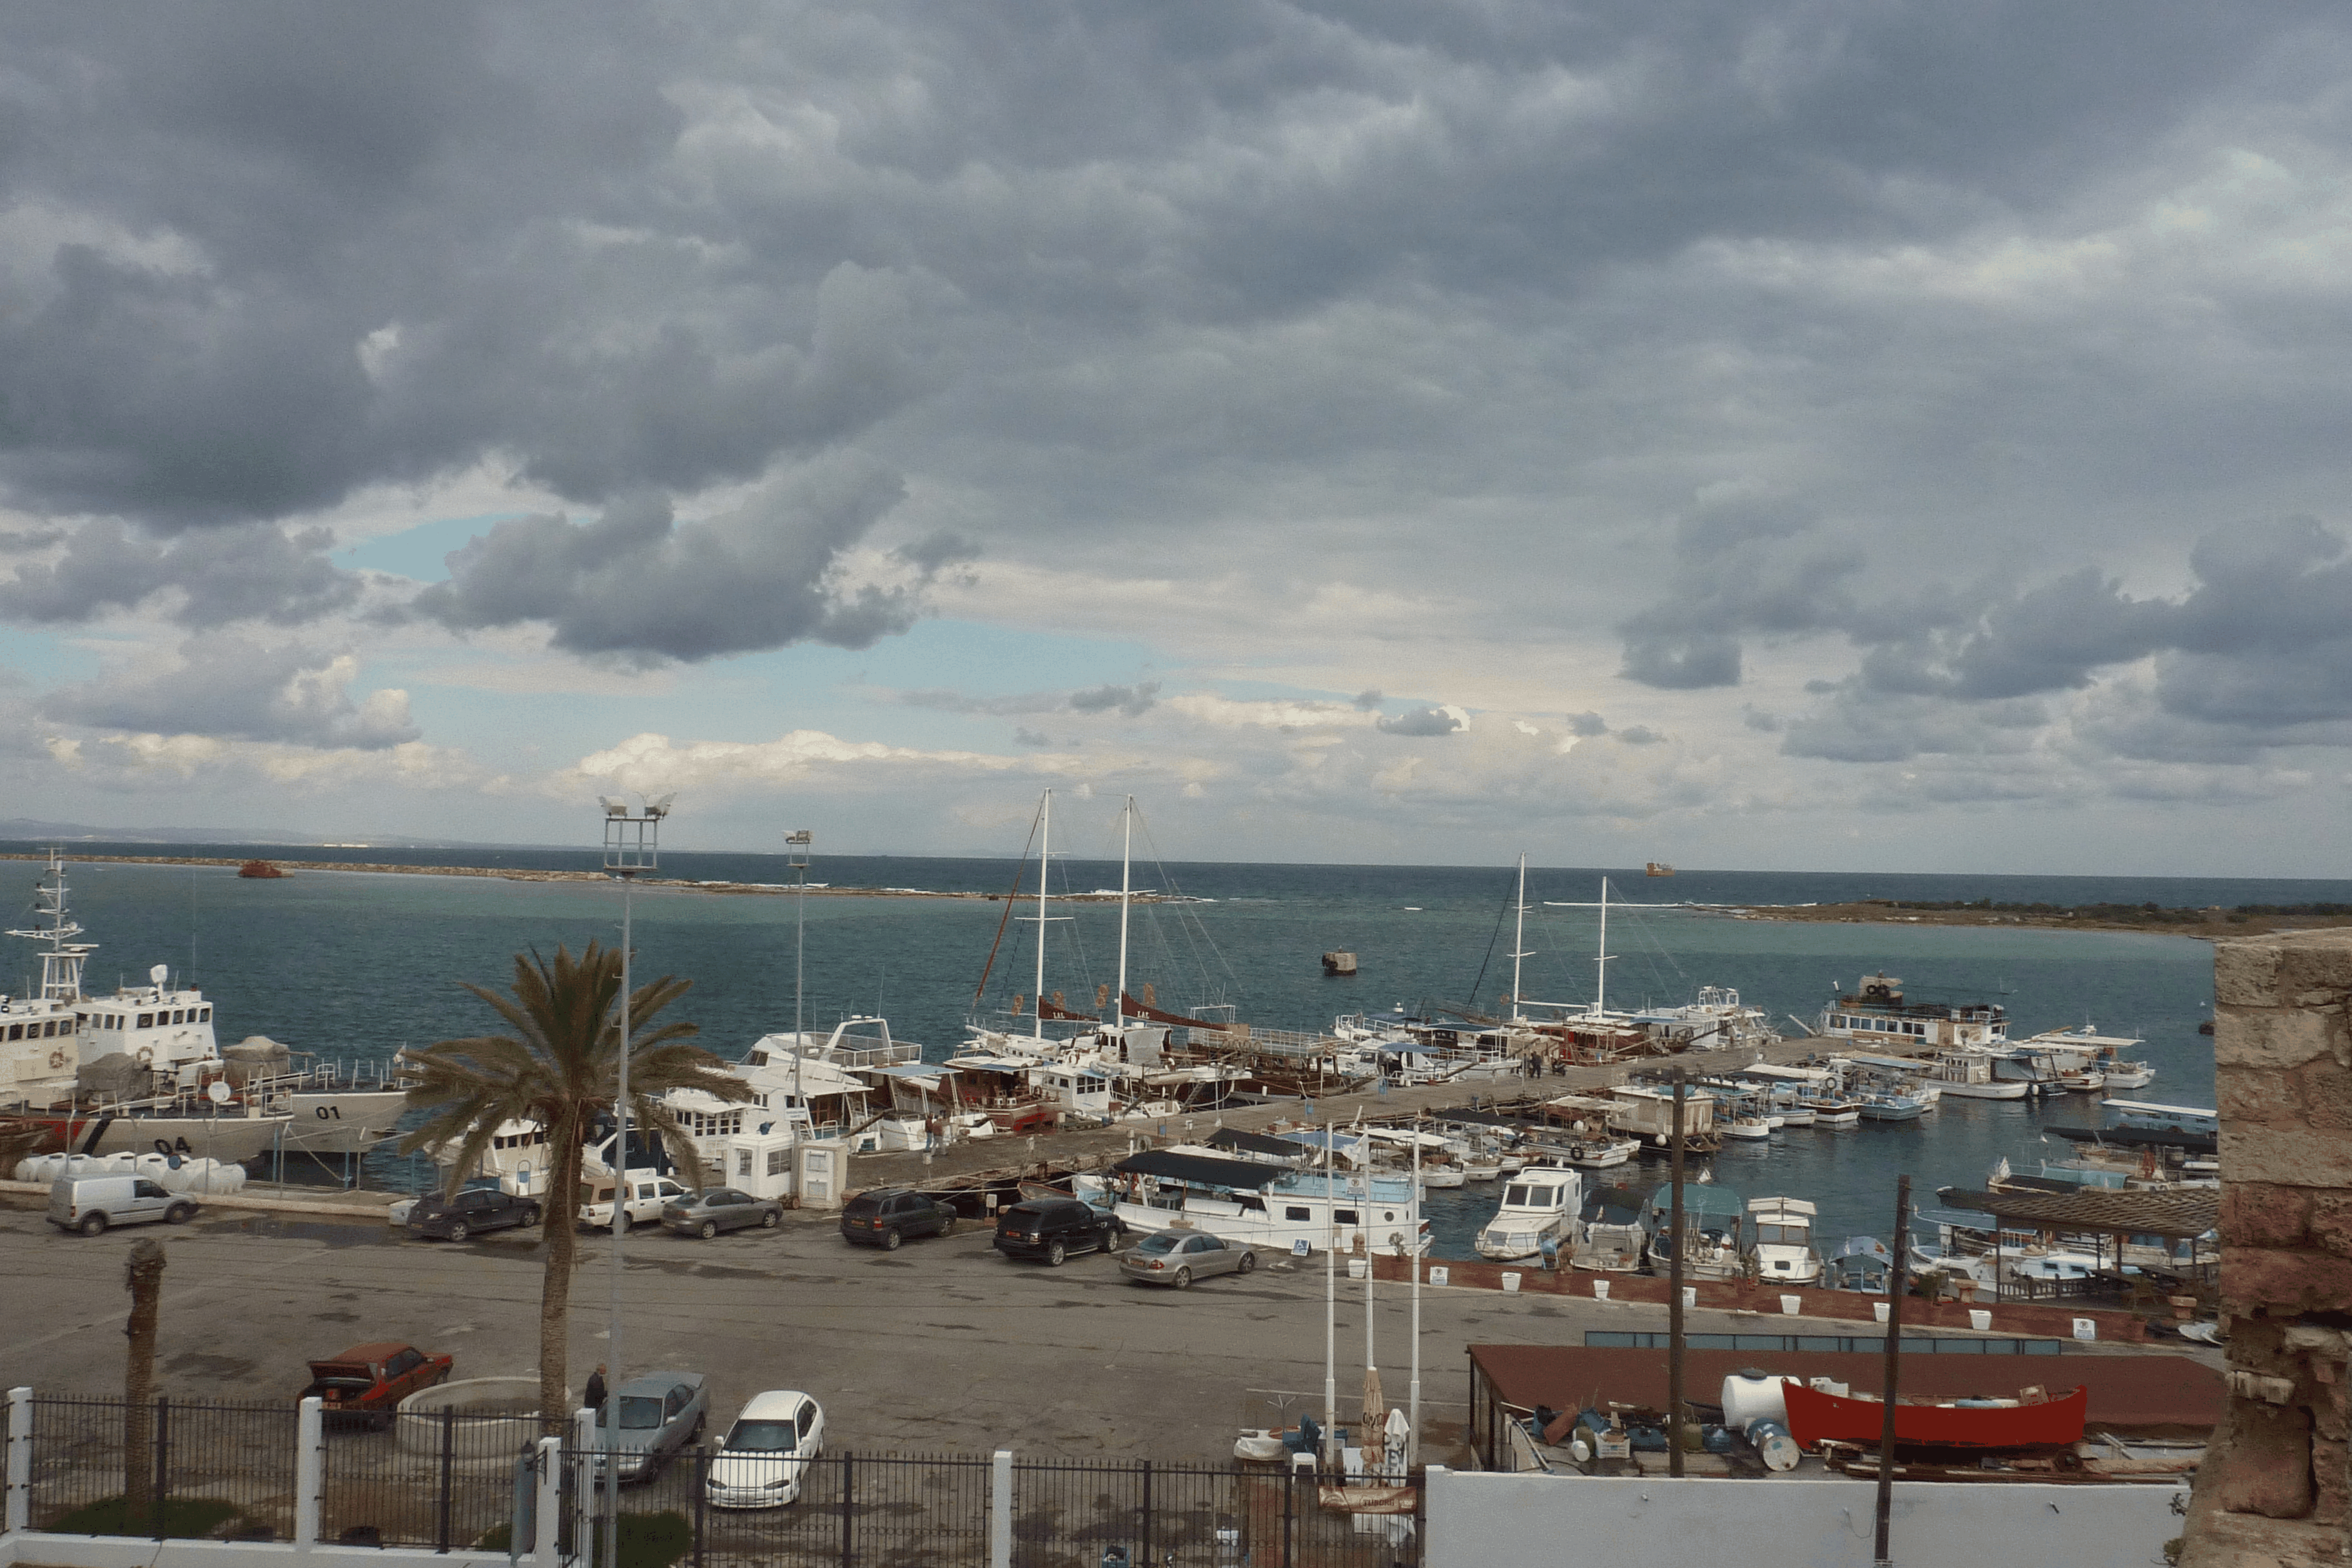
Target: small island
{"points": [[259, 868], [2211, 921]]}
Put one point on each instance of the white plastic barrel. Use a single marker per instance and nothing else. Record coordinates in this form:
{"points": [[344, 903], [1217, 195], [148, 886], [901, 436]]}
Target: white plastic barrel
{"points": [[1750, 1398]]}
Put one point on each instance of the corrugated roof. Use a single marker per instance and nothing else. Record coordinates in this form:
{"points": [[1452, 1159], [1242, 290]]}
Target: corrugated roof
{"points": [[1246, 1175], [2098, 1209]]}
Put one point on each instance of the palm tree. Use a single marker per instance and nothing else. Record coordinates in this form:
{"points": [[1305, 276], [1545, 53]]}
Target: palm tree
{"points": [[559, 1069]]}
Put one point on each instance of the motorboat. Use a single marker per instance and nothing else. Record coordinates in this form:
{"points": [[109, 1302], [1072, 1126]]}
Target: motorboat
{"points": [[1712, 1220], [1781, 1243], [1539, 1205], [1833, 1110], [1862, 1263], [1610, 1238], [2032, 1420], [1270, 1208]]}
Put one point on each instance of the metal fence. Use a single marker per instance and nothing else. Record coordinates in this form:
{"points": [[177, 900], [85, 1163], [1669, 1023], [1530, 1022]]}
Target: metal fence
{"points": [[902, 1512], [443, 1479], [179, 1468]]}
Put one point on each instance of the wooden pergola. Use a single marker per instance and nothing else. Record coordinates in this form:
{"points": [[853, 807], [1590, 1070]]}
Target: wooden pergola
{"points": [[2099, 1212]]}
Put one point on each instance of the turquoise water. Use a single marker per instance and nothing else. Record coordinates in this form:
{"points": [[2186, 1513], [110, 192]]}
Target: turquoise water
{"points": [[350, 964]]}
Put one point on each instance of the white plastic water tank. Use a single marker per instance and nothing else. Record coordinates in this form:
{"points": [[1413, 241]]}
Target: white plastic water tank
{"points": [[1752, 1396]]}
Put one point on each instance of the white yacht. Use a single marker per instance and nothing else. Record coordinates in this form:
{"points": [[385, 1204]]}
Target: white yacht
{"points": [[1540, 1204], [1783, 1241], [1273, 1208]]}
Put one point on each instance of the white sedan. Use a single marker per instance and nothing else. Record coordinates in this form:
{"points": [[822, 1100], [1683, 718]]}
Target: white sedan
{"points": [[768, 1451]]}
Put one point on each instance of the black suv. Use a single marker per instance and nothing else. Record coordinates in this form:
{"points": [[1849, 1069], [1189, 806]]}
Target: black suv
{"points": [[471, 1212], [887, 1215], [1053, 1228]]}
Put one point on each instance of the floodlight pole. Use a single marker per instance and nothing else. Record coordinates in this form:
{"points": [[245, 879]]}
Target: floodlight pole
{"points": [[796, 850], [632, 844]]}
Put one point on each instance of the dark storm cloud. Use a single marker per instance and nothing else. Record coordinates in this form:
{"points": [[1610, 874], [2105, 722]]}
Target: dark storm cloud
{"points": [[637, 584], [228, 687], [1743, 565], [1423, 721], [256, 570]]}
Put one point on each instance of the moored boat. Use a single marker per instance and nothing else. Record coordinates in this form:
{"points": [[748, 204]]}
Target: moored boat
{"points": [[1540, 1204], [2032, 1420]]}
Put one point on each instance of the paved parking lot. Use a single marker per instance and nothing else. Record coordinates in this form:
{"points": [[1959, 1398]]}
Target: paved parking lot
{"points": [[942, 1345]]}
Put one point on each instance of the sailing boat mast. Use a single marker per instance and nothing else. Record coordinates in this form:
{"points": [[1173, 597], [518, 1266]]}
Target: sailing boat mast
{"points": [[1125, 866], [1044, 867], [1600, 964], [1519, 939]]}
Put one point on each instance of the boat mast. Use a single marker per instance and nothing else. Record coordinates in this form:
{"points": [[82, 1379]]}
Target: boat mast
{"points": [[1045, 866], [1125, 865], [1519, 939], [1601, 984], [61, 964]]}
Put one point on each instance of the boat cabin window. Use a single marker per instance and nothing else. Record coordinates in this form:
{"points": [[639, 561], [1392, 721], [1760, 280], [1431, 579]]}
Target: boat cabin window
{"points": [[1780, 1235], [1515, 1197], [1347, 1216], [204, 1014], [1295, 1211], [146, 1020]]}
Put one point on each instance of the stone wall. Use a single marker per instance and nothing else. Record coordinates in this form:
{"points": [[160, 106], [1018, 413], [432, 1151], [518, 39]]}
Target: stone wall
{"points": [[2282, 1057]]}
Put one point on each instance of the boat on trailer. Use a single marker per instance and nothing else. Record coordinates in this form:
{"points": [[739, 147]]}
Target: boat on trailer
{"points": [[2032, 1420]]}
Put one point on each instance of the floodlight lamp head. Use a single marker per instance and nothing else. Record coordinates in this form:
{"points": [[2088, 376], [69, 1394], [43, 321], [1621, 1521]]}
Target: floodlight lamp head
{"points": [[660, 807], [802, 836], [613, 805]]}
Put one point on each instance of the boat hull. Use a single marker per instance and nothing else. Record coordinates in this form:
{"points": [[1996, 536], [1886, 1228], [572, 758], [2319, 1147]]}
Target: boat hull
{"points": [[2011, 1090], [233, 1138], [350, 1121], [1815, 1417]]}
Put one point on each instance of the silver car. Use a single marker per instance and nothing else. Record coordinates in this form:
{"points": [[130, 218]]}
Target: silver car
{"points": [[660, 1413], [1178, 1257]]}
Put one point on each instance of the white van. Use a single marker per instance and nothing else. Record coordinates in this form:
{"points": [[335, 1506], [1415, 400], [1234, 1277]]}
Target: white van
{"points": [[90, 1203], [653, 1193]]}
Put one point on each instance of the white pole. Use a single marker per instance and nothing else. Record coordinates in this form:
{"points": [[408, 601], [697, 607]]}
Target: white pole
{"points": [[1330, 1299], [620, 1234], [1044, 867], [1125, 868], [1412, 1391], [800, 975]]}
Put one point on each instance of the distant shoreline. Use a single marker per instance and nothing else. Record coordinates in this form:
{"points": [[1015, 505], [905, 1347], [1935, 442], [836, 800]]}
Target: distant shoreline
{"points": [[528, 874], [2214, 924]]}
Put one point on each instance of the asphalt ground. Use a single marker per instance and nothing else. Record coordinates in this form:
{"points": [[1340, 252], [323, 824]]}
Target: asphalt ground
{"points": [[942, 1346]]}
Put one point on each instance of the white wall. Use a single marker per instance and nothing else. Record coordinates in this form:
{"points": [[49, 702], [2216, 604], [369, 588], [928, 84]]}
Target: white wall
{"points": [[1480, 1519]]}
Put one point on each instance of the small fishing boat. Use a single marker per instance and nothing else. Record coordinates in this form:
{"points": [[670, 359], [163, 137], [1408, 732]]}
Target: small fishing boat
{"points": [[2032, 1420], [1862, 1263], [1539, 1206], [1782, 1245], [1893, 1108], [1712, 1220], [1611, 1236], [1833, 1111], [1748, 1125]]}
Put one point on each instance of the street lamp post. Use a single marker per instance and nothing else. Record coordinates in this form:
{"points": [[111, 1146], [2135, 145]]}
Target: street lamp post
{"points": [[796, 855], [632, 845]]}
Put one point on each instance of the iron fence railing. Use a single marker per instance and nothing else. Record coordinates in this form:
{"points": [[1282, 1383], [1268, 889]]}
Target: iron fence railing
{"points": [[177, 1467], [449, 1481]]}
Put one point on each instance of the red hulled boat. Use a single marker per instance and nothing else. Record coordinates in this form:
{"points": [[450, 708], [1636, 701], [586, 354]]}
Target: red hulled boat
{"points": [[2029, 1421]]}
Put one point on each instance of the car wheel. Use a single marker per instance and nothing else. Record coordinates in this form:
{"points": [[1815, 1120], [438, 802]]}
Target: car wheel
{"points": [[770, 1220], [947, 1226], [1054, 1255], [709, 1229], [458, 1232], [1248, 1262], [891, 1238], [1184, 1281], [179, 1214], [530, 1216], [92, 1225]]}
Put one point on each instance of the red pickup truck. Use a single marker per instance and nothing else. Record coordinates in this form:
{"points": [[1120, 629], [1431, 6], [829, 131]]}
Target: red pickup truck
{"points": [[368, 1382]]}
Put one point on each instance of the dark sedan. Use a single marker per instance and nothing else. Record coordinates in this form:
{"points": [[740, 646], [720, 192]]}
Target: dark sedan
{"points": [[706, 1212], [471, 1212]]}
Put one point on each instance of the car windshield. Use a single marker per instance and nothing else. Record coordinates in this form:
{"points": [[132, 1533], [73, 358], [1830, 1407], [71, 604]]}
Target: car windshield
{"points": [[1163, 1242], [639, 1413], [761, 1437]]}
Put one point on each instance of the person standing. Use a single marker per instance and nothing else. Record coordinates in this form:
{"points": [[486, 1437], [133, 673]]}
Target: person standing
{"points": [[594, 1395]]}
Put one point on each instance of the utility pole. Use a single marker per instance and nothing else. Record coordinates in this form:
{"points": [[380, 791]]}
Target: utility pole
{"points": [[1674, 1293], [1896, 1284]]}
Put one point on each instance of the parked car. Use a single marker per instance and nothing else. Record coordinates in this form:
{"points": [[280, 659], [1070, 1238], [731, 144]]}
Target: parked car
{"points": [[706, 1212], [470, 1213], [367, 1383], [1176, 1257], [652, 1195], [887, 1215], [1053, 1228], [659, 1414], [90, 1203], [766, 1456]]}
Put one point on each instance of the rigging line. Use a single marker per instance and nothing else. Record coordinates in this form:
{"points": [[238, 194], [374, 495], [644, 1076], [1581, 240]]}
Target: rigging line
{"points": [[1491, 941], [1196, 933], [1019, 866]]}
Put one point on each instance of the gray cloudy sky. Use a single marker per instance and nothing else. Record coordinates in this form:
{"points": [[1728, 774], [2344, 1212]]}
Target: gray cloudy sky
{"points": [[1877, 434]]}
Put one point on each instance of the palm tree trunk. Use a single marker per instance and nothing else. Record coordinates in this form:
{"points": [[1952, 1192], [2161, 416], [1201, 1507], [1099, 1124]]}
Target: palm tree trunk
{"points": [[143, 1275], [560, 1234]]}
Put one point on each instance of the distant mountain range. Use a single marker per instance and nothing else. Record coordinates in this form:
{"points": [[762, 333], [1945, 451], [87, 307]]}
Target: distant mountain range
{"points": [[32, 829]]}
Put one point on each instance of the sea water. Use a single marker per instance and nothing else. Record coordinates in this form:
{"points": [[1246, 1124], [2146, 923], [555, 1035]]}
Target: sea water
{"points": [[354, 965]]}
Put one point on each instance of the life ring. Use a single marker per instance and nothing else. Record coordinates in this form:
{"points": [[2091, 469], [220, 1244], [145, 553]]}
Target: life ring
{"points": [[147, 1055], [56, 1058]]}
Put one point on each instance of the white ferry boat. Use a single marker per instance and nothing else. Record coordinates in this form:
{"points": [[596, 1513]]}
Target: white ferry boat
{"points": [[1877, 1015]]}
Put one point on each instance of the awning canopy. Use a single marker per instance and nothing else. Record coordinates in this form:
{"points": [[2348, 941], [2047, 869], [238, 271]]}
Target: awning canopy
{"points": [[1255, 1142], [2138, 1138], [2168, 1215], [1248, 1176]]}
